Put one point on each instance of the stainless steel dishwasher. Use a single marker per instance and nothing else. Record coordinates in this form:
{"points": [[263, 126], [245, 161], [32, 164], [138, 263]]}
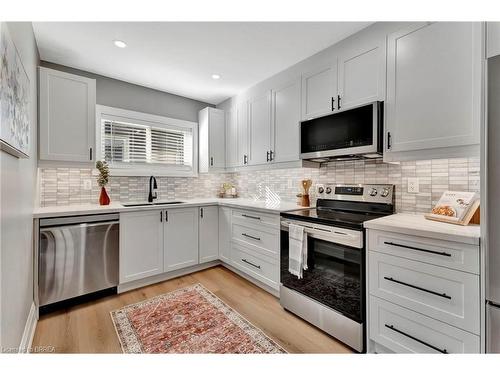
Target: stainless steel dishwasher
{"points": [[78, 255]]}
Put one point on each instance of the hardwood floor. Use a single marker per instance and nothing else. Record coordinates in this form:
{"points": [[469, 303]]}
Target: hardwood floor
{"points": [[88, 328]]}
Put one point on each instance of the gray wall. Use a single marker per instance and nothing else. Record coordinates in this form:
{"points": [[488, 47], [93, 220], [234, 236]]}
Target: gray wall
{"points": [[116, 93], [17, 195]]}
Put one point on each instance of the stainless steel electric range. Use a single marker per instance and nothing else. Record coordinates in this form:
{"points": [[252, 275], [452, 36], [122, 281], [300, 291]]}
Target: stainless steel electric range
{"points": [[332, 293]]}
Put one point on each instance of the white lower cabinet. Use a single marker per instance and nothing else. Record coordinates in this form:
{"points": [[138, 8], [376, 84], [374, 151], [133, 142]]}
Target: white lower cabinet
{"points": [[225, 234], [181, 238], [153, 242], [141, 245], [420, 298], [255, 245], [209, 233], [405, 331]]}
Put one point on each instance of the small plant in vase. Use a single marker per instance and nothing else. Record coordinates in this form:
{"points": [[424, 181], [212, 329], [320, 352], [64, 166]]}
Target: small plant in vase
{"points": [[102, 181]]}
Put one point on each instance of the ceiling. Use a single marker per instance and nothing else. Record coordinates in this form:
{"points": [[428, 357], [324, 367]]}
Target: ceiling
{"points": [[180, 57]]}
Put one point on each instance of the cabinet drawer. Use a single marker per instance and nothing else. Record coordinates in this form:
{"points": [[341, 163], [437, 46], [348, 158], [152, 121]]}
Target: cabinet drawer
{"points": [[256, 219], [454, 255], [447, 295], [266, 242], [263, 269], [405, 331]]}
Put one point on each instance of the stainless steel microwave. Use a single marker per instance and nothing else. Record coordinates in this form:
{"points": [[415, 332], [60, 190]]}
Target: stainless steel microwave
{"points": [[353, 133]]}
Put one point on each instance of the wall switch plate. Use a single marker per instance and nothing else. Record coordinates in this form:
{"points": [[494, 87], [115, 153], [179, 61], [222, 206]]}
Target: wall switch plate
{"points": [[87, 185], [413, 185]]}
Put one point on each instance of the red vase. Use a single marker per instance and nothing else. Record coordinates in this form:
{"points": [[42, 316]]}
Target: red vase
{"points": [[104, 197]]}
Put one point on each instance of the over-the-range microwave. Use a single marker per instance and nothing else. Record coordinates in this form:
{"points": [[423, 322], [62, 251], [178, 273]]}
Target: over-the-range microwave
{"points": [[354, 133]]}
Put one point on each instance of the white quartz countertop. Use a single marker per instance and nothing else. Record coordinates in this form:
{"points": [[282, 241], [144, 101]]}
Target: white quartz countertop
{"points": [[418, 225], [89, 209]]}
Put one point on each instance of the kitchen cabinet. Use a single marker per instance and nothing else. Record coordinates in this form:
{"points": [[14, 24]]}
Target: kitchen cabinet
{"points": [[209, 233], [259, 124], [286, 122], [434, 90], [319, 91], [424, 294], [225, 234], [242, 132], [361, 73], [212, 150], [67, 116], [180, 246], [232, 158], [492, 39], [141, 244]]}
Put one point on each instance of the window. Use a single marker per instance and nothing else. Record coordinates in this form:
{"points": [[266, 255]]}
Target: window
{"points": [[136, 144]]}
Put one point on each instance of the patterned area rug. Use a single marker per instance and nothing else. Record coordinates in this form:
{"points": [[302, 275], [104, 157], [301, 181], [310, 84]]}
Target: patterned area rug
{"points": [[188, 320]]}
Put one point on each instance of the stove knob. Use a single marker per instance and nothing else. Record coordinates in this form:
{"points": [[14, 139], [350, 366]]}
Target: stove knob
{"points": [[373, 192], [321, 189], [328, 190], [385, 192]]}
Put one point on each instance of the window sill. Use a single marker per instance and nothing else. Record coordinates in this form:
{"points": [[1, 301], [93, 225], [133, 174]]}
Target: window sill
{"points": [[141, 172]]}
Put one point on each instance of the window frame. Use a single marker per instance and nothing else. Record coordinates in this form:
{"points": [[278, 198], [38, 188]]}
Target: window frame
{"points": [[105, 112]]}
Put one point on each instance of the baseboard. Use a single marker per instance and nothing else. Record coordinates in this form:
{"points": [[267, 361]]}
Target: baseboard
{"points": [[165, 276], [29, 331]]}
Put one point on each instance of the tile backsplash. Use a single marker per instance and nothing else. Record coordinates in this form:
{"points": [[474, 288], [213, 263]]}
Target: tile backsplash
{"points": [[63, 186]]}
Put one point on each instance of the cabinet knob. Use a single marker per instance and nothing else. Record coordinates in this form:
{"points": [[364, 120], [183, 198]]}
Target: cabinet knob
{"points": [[267, 156], [333, 104], [338, 101], [90, 154]]}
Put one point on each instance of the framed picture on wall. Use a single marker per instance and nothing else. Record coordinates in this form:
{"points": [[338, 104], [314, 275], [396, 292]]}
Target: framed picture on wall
{"points": [[15, 126]]}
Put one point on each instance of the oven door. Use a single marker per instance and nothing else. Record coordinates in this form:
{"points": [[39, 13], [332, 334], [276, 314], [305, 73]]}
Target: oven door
{"points": [[334, 276]]}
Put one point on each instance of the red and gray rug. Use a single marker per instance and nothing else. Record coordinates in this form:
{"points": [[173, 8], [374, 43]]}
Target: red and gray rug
{"points": [[188, 320]]}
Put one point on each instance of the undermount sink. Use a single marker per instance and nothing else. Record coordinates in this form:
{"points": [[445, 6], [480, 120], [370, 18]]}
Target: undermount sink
{"points": [[144, 204]]}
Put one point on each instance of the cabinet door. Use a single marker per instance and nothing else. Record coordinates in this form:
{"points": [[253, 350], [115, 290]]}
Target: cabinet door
{"points": [[286, 119], [362, 74], [232, 159], [225, 234], [217, 139], [141, 244], [492, 39], [67, 117], [433, 86], [181, 238], [242, 126], [259, 118], [319, 91], [209, 233]]}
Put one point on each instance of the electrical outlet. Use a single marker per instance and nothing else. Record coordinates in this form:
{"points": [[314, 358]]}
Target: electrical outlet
{"points": [[87, 185], [413, 185]]}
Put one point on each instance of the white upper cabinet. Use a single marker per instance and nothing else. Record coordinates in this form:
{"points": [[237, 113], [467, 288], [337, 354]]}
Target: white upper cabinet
{"points": [[232, 158], [242, 132], [181, 238], [259, 123], [433, 88], [212, 140], [286, 120], [209, 233], [141, 244], [319, 91], [67, 116], [362, 73], [493, 39]]}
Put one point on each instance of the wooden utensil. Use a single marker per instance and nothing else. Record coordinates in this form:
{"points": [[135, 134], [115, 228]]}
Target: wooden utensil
{"points": [[306, 185]]}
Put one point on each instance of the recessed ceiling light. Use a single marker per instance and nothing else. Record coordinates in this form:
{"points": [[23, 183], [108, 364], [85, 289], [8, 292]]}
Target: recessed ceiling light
{"points": [[215, 76], [120, 43]]}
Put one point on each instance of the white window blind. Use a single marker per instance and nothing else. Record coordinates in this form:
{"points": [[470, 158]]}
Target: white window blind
{"points": [[127, 143]]}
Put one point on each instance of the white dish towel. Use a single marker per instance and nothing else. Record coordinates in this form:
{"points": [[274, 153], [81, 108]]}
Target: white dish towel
{"points": [[297, 250]]}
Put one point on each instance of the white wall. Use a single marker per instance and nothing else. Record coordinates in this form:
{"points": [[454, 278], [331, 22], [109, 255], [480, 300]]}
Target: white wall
{"points": [[17, 195]]}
